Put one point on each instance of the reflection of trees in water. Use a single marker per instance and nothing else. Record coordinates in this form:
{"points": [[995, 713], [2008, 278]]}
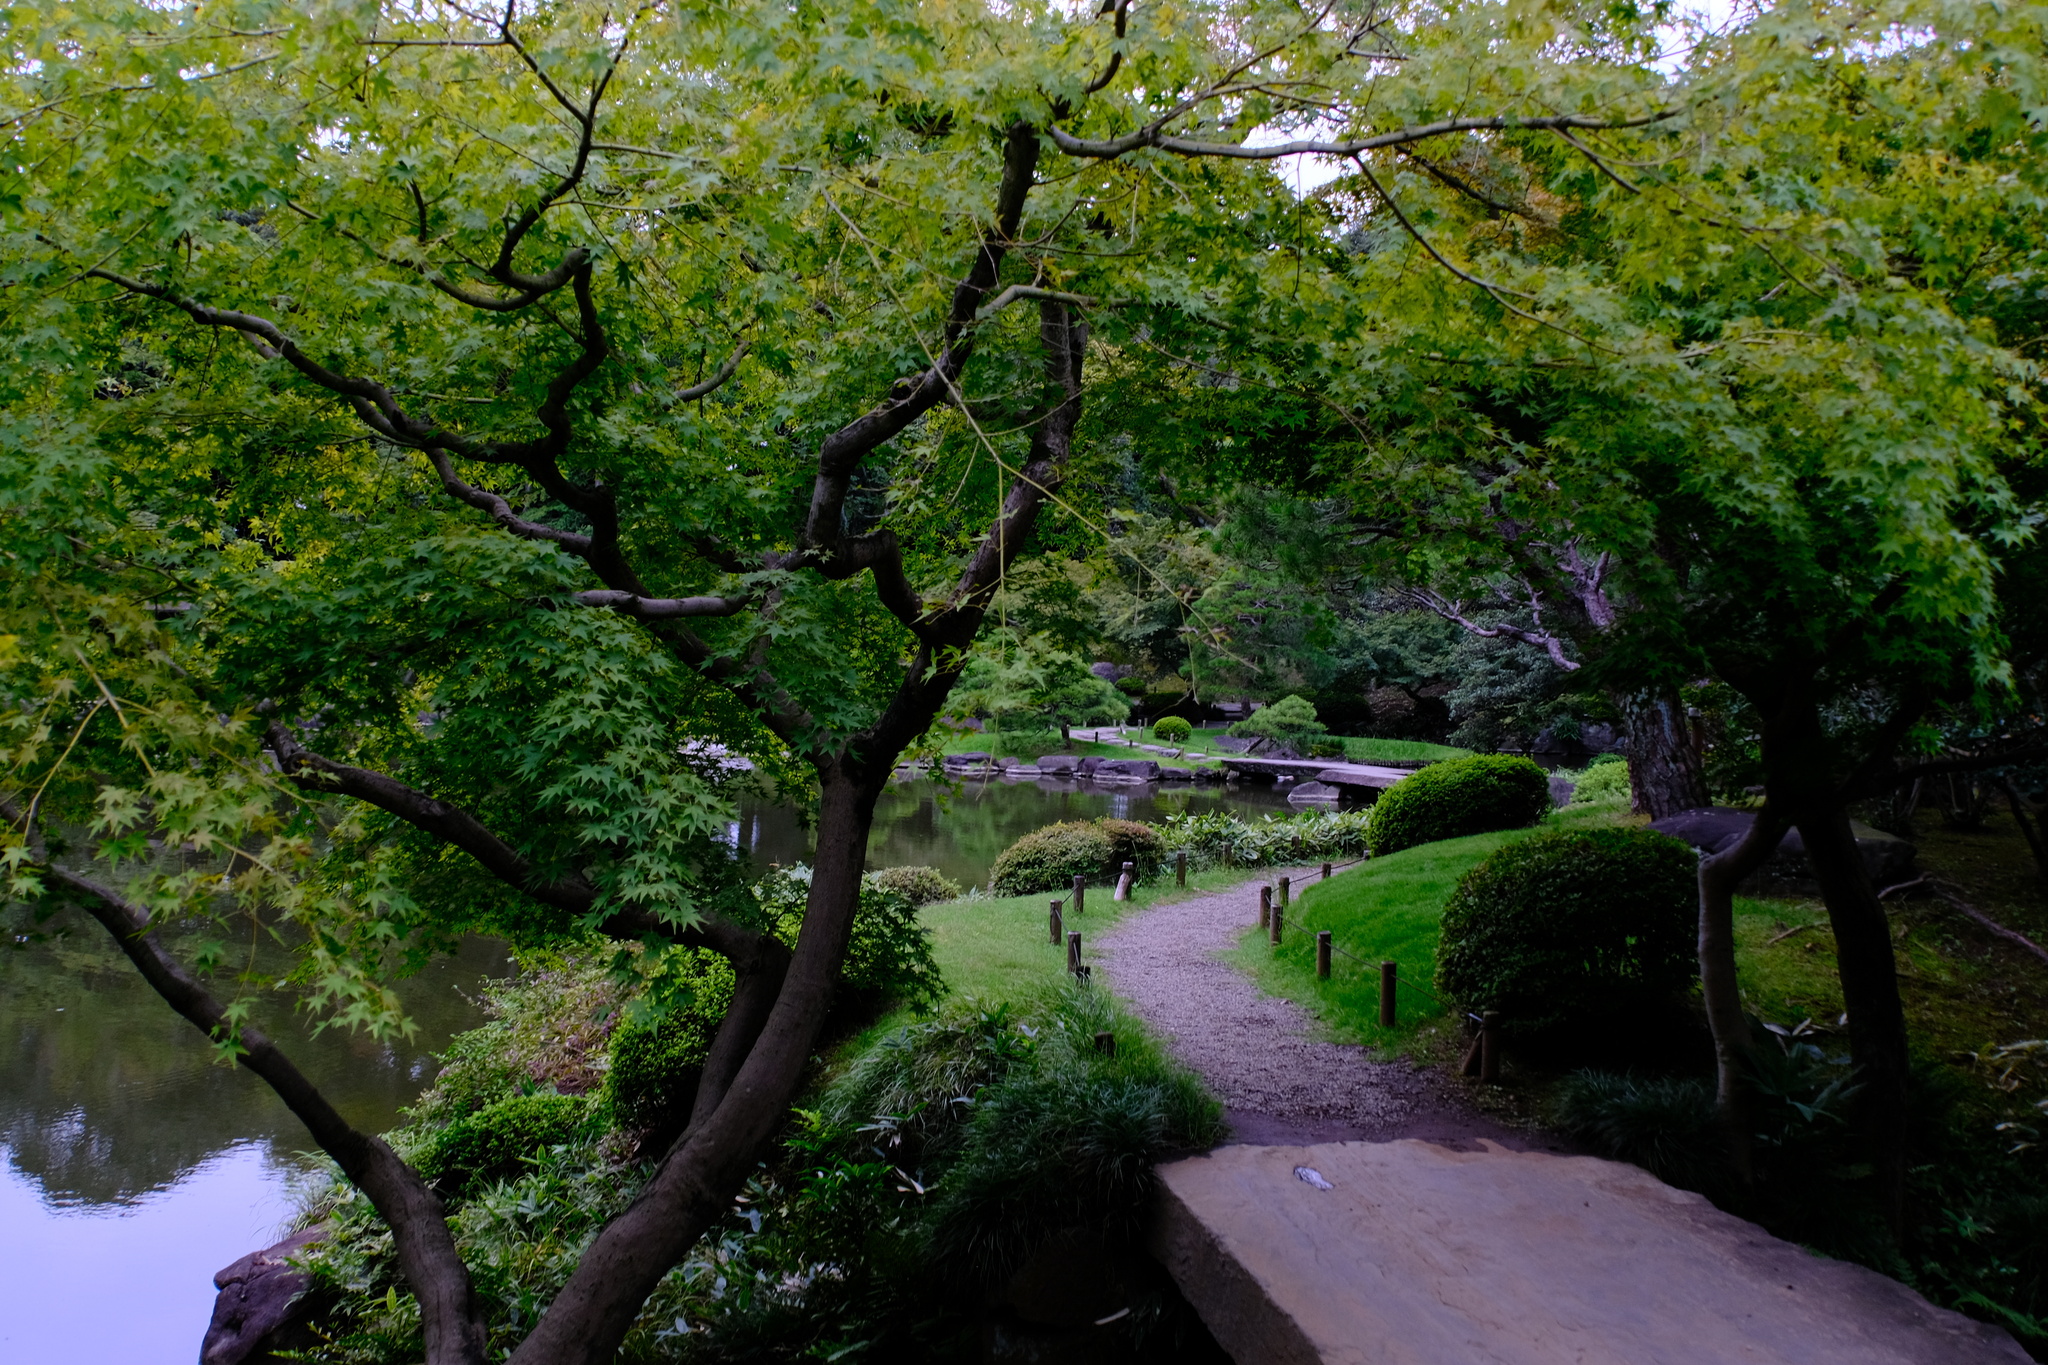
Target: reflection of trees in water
{"points": [[960, 831], [106, 1095]]}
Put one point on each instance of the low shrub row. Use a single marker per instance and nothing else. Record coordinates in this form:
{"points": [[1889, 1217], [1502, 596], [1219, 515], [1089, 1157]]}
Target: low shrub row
{"points": [[1219, 839]]}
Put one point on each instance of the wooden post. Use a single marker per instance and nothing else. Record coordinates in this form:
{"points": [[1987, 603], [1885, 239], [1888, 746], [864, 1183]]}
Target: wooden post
{"points": [[1265, 906], [1322, 954], [1080, 893], [1180, 868], [1125, 882], [1279, 915], [1074, 951], [1055, 919], [1280, 900], [1326, 872], [1386, 995], [1105, 1043], [1489, 1047]]}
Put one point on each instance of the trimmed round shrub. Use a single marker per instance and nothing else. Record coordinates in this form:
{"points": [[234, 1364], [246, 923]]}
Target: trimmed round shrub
{"points": [[918, 885], [1602, 781], [1461, 796], [1173, 730], [1572, 927], [1049, 859], [493, 1143], [1132, 841]]}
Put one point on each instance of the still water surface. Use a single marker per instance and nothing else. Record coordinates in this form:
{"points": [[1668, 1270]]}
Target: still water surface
{"points": [[132, 1166]]}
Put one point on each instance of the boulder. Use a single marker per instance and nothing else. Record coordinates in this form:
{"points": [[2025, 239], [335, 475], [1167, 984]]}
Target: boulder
{"points": [[1176, 774], [261, 1305], [1209, 774], [1021, 771], [967, 760], [1887, 859], [1058, 763], [1087, 766], [1139, 769], [1315, 793], [1561, 789], [1231, 744]]}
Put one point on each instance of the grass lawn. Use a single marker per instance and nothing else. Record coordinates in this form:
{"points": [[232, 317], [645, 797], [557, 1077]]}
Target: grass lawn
{"points": [[1384, 910], [1203, 744], [995, 949]]}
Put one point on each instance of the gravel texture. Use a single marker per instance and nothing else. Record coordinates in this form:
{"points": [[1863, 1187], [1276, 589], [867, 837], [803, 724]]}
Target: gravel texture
{"points": [[1260, 1055]]}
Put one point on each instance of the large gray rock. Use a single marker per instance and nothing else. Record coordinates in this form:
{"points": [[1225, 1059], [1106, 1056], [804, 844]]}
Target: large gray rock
{"points": [[1561, 789], [1167, 774], [967, 760], [1314, 793], [262, 1301], [1409, 1253], [1140, 769], [1887, 859], [1231, 744], [1087, 766], [1058, 763]]}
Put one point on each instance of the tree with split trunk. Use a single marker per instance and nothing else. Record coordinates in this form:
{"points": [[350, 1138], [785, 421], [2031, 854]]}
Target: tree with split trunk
{"points": [[439, 443]]}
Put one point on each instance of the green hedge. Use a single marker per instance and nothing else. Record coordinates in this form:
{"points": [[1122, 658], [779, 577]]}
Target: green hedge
{"points": [[1220, 839], [1572, 927], [1450, 800], [1049, 859], [492, 1144], [920, 886]]}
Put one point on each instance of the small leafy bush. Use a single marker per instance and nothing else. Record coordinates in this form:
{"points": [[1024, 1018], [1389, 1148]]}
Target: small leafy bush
{"points": [[1132, 841], [492, 1144], [1049, 859], [921, 886], [1572, 927], [1173, 730], [656, 1058], [1602, 781], [1450, 800], [889, 956]]}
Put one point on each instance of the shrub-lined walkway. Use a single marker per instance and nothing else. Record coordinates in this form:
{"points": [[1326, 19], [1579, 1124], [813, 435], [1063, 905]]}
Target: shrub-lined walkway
{"points": [[1277, 1080]]}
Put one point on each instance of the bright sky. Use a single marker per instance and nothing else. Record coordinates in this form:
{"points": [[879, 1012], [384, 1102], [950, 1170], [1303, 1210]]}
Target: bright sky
{"points": [[1306, 173]]}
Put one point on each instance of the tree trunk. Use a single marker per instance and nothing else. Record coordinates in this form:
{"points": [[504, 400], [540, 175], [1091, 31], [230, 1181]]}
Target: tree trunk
{"points": [[1664, 773], [696, 1182], [1719, 876], [1870, 990]]}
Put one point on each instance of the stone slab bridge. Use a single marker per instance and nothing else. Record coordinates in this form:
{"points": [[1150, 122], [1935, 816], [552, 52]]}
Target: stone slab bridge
{"points": [[1356, 784], [1410, 1253]]}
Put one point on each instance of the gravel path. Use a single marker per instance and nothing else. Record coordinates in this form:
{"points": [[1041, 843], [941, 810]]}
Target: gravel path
{"points": [[1278, 1083]]}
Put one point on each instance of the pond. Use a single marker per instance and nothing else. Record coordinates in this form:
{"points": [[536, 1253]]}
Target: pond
{"points": [[133, 1166]]}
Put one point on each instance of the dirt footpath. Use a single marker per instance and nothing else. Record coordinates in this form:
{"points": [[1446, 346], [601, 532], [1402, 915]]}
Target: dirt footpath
{"points": [[1261, 1055]]}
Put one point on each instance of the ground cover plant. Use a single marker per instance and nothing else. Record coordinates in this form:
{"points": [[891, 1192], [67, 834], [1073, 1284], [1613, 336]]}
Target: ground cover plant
{"points": [[1221, 839], [1459, 797]]}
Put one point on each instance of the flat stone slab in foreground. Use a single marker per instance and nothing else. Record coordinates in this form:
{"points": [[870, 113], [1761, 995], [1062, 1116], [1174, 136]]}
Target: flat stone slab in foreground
{"points": [[1416, 1254]]}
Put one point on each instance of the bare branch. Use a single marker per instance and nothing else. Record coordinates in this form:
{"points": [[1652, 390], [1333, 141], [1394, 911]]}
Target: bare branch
{"points": [[718, 377], [1454, 612], [1154, 135], [663, 608]]}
